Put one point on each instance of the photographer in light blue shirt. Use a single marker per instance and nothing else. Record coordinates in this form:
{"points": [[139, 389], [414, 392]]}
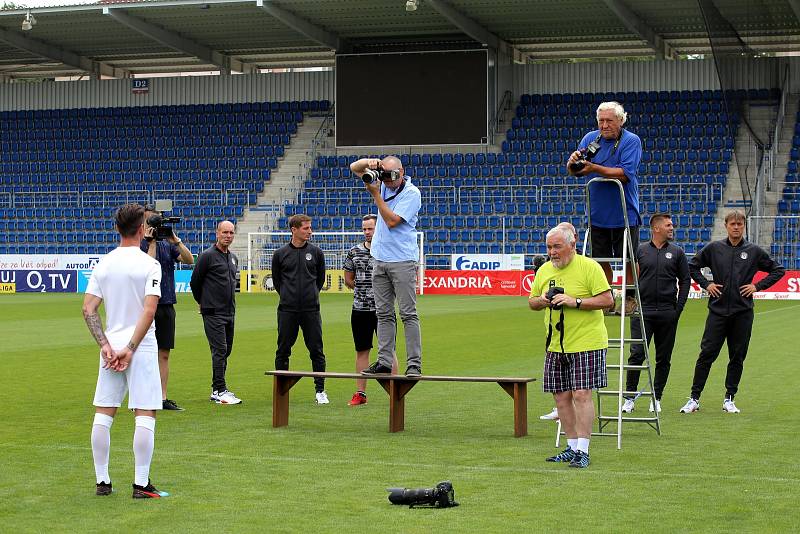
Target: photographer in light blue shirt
{"points": [[396, 253]]}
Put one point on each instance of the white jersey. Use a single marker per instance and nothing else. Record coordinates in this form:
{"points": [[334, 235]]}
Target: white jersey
{"points": [[122, 279]]}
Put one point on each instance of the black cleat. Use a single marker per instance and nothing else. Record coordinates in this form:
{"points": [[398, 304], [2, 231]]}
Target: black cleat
{"points": [[148, 492], [413, 370], [377, 369], [103, 488], [168, 404]]}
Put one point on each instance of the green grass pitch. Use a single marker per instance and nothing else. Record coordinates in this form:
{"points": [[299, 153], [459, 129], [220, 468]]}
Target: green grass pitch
{"points": [[229, 471]]}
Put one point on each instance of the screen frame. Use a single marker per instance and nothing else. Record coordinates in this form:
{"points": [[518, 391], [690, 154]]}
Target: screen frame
{"points": [[485, 138]]}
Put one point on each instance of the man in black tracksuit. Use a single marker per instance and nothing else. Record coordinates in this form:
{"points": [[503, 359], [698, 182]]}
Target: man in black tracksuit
{"points": [[661, 265], [213, 286], [733, 262], [298, 275]]}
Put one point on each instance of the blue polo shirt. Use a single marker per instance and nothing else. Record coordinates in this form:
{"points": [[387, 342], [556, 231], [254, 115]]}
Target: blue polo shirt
{"points": [[166, 254], [606, 211], [398, 243]]}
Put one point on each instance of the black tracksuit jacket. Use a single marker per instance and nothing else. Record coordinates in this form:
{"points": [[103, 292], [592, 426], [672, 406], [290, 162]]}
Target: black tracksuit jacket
{"points": [[733, 267], [213, 281], [298, 275]]}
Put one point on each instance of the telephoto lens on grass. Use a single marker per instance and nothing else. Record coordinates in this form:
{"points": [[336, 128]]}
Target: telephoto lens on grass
{"points": [[440, 496]]}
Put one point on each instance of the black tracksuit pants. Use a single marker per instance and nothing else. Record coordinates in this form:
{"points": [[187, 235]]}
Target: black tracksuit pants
{"points": [[219, 331], [661, 325], [289, 324], [736, 329]]}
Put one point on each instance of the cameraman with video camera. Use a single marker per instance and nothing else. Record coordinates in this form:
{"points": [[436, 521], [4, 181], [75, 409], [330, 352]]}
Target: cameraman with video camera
{"points": [[396, 253], [161, 243], [612, 152], [573, 291]]}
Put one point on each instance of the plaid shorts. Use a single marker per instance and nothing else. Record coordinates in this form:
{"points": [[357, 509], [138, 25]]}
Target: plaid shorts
{"points": [[575, 370]]}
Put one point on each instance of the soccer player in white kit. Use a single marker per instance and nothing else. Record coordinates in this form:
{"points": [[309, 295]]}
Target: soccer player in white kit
{"points": [[128, 281]]}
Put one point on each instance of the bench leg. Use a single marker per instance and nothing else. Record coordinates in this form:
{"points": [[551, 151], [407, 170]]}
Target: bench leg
{"points": [[519, 392], [397, 390], [280, 399]]}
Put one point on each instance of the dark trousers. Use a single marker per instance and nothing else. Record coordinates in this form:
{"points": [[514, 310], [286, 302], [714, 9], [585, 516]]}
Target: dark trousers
{"points": [[219, 331], [736, 330], [288, 325], [661, 325]]}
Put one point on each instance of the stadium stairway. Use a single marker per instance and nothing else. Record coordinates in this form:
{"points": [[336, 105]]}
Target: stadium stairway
{"points": [[284, 185]]}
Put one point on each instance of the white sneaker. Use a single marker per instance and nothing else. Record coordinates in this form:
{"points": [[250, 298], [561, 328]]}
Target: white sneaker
{"points": [[227, 397], [627, 407], [691, 406], [729, 407], [552, 416], [657, 407], [214, 396], [322, 398]]}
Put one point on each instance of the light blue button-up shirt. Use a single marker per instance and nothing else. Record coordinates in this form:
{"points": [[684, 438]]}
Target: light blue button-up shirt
{"points": [[398, 243]]}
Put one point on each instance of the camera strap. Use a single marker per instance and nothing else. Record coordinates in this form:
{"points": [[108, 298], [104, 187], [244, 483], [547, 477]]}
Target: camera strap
{"points": [[399, 190], [559, 327], [616, 144]]}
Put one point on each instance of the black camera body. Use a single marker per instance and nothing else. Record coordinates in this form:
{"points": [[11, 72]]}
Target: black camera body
{"points": [[370, 175], [587, 154], [440, 496], [160, 223], [552, 291]]}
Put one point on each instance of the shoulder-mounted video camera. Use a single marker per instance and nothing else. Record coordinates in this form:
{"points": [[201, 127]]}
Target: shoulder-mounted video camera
{"points": [[587, 154], [159, 222], [440, 496], [370, 175]]}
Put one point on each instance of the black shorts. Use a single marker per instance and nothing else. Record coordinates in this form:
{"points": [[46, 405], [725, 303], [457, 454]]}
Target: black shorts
{"points": [[607, 242], [165, 326], [364, 325]]}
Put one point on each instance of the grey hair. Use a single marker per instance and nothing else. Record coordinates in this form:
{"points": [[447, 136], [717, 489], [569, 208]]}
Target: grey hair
{"points": [[616, 107], [569, 237]]}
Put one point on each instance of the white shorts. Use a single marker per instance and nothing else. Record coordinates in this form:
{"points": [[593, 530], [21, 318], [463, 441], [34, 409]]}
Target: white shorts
{"points": [[141, 381]]}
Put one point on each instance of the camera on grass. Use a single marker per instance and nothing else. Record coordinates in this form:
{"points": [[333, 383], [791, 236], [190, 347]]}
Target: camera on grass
{"points": [[587, 154], [440, 496]]}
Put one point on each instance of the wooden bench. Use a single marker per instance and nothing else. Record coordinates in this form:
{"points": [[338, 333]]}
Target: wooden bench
{"points": [[397, 386]]}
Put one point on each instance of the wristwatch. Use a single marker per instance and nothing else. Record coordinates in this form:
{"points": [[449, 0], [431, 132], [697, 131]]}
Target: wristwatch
{"points": [[578, 303]]}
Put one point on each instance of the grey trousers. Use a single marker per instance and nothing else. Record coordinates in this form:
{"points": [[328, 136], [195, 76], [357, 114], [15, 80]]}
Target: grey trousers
{"points": [[390, 281]]}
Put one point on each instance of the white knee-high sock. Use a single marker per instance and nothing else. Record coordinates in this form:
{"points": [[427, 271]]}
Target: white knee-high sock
{"points": [[101, 445], [143, 443]]}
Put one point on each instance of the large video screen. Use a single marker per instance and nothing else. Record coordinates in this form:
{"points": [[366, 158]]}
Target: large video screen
{"points": [[430, 98]]}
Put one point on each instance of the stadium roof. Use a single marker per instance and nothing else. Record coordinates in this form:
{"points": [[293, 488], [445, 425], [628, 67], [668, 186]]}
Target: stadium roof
{"points": [[120, 38]]}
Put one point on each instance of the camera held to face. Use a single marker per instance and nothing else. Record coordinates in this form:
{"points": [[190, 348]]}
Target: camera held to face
{"points": [[587, 154], [159, 224], [370, 175]]}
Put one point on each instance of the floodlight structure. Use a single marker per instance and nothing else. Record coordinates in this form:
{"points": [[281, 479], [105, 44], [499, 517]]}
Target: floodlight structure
{"points": [[412, 5], [28, 22]]}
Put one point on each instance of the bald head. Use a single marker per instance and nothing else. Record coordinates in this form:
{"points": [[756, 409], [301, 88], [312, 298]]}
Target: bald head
{"points": [[390, 163], [225, 234]]}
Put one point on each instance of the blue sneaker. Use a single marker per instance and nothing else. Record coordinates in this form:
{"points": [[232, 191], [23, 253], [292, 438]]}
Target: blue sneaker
{"points": [[564, 456], [580, 460]]}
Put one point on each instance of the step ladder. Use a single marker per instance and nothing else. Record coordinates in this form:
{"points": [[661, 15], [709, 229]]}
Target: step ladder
{"points": [[621, 343]]}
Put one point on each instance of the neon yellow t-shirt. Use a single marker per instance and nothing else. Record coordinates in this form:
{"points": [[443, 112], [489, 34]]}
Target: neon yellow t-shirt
{"points": [[584, 330]]}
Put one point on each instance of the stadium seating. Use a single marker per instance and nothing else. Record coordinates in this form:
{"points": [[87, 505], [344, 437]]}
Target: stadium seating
{"points": [[467, 196], [63, 171], [786, 235]]}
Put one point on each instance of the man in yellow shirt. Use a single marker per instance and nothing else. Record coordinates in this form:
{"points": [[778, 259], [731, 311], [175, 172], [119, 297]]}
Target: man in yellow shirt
{"points": [[573, 291]]}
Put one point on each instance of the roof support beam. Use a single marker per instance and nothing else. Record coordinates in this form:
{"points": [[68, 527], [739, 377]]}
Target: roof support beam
{"points": [[303, 26], [475, 30], [177, 42], [795, 5], [68, 58], [638, 26]]}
